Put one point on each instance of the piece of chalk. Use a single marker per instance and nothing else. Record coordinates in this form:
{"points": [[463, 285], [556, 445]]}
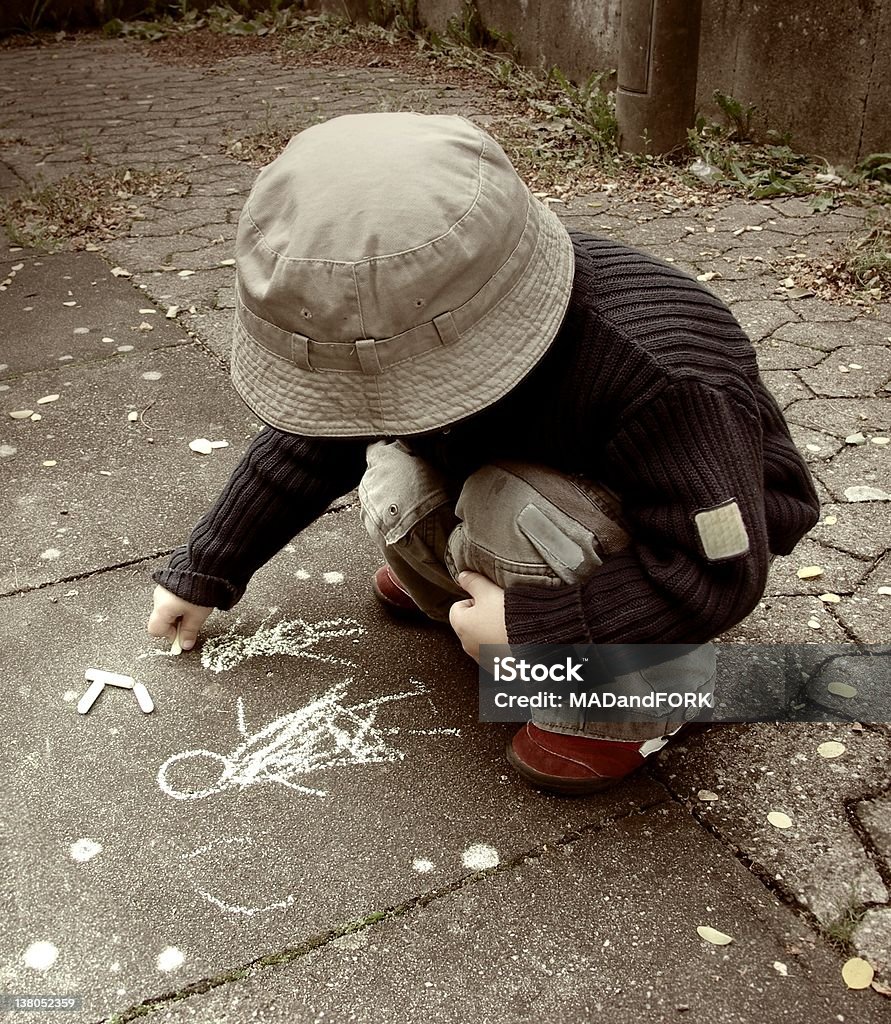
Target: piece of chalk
{"points": [[176, 647], [142, 697], [112, 678], [89, 697]]}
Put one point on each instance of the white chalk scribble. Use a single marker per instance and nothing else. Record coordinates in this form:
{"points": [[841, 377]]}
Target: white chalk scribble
{"points": [[326, 733], [295, 638], [225, 906]]}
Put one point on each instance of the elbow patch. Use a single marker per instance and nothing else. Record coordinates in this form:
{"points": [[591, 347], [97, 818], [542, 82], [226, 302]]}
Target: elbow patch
{"points": [[721, 531]]}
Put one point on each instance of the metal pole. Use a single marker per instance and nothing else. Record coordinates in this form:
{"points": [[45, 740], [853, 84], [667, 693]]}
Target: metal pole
{"points": [[658, 64]]}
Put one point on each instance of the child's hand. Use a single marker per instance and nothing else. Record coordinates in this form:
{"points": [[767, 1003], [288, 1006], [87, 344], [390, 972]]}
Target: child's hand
{"points": [[479, 619], [168, 610]]}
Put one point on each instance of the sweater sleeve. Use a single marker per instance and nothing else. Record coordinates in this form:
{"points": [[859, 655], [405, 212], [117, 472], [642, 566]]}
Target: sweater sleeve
{"points": [[694, 567], [283, 482]]}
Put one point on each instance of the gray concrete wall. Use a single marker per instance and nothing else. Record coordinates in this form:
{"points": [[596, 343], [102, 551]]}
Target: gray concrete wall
{"points": [[816, 69]]}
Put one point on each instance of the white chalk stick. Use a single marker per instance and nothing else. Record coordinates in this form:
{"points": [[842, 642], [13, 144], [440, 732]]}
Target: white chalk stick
{"points": [[112, 678], [89, 697], [176, 647], [142, 697]]}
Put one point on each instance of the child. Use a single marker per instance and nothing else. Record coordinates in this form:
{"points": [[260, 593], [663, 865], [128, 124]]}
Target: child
{"points": [[557, 439]]}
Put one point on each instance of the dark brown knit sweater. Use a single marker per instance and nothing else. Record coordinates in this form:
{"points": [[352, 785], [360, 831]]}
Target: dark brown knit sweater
{"points": [[652, 387]]}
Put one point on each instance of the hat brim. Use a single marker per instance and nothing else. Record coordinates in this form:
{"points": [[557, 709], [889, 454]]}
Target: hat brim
{"points": [[426, 392]]}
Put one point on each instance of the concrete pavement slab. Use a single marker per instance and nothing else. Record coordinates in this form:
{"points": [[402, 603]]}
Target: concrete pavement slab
{"points": [[118, 490], [866, 615], [859, 465], [842, 416], [786, 620], [69, 308], [579, 933], [785, 386], [819, 861], [859, 530], [850, 372], [314, 763], [841, 572], [818, 331]]}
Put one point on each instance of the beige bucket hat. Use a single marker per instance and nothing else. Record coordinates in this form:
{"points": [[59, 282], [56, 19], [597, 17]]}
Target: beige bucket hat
{"points": [[394, 275]]}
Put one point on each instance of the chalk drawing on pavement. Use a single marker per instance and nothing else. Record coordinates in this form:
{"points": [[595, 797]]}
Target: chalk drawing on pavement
{"points": [[225, 906], [295, 638], [326, 733]]}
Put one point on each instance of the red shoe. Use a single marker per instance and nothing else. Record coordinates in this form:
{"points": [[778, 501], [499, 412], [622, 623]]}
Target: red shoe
{"points": [[574, 765], [390, 592]]}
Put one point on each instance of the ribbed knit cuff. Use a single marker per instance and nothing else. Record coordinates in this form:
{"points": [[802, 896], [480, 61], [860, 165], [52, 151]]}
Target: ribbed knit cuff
{"points": [[196, 587], [541, 615]]}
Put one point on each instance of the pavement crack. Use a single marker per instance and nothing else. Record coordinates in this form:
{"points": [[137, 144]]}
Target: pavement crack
{"points": [[747, 861], [30, 589], [289, 955], [863, 834]]}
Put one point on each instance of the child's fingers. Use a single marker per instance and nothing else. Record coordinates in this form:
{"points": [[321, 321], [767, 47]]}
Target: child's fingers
{"points": [[187, 635], [161, 624]]}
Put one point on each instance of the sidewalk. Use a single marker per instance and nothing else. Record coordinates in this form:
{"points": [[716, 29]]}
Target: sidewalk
{"points": [[225, 858]]}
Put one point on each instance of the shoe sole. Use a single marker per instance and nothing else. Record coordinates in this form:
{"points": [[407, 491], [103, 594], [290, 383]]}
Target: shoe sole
{"points": [[555, 784]]}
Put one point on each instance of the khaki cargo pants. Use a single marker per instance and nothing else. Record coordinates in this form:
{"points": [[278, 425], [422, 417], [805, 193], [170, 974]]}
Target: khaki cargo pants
{"points": [[514, 523]]}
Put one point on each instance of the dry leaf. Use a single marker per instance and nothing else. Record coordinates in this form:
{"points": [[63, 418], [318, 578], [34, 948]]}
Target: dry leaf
{"points": [[831, 749], [809, 572], [713, 936], [779, 820], [857, 973], [201, 445], [883, 990], [841, 689]]}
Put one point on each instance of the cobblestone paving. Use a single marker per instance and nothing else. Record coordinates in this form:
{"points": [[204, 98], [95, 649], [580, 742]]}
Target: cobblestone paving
{"points": [[97, 104]]}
